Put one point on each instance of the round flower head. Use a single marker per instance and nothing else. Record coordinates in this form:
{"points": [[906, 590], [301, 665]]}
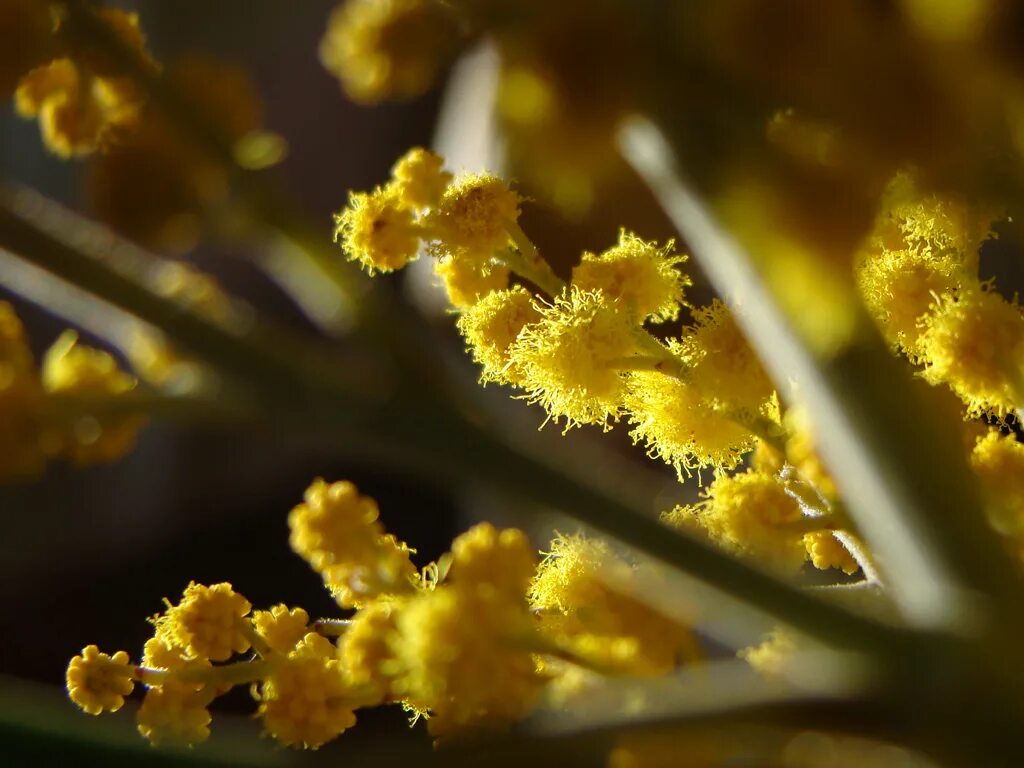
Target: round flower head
{"points": [[723, 367], [472, 219], [462, 656], [485, 557], [377, 230], [678, 427], [280, 627], [209, 622], [70, 368], [305, 700], [492, 325], [382, 49], [419, 178], [974, 343], [338, 532], [364, 649], [645, 278], [825, 551], [998, 463], [174, 715], [574, 593], [751, 514], [466, 282], [569, 361], [97, 682]]}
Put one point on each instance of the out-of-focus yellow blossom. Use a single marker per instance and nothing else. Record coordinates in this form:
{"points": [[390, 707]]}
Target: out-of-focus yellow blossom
{"points": [[998, 462], [974, 342], [382, 49], [721, 364], [26, 441], [492, 326], [473, 218], [646, 279], [26, 26], [70, 368], [751, 514], [501, 561], [82, 99], [281, 627], [671, 419], [155, 185], [802, 453], [305, 699], [97, 682], [463, 653], [338, 532], [573, 593], [209, 622], [174, 716], [419, 178], [365, 649], [771, 656], [825, 551], [466, 283], [377, 230], [570, 361]]}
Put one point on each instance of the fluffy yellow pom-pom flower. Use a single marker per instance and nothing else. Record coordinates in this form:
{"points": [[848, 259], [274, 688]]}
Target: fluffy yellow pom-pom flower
{"points": [[174, 715], [97, 682], [377, 230], [645, 278], [492, 326], [500, 560], [472, 218], [419, 178], [466, 281], [571, 360], [209, 622], [282, 628]]}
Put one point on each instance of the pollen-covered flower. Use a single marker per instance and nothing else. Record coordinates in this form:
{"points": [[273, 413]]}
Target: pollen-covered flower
{"points": [[209, 622], [466, 281], [574, 594], [365, 649], [337, 531], [280, 627], [383, 49], [472, 218], [751, 514], [174, 715], [71, 368], [97, 682], [677, 426], [419, 178], [974, 343], [305, 700], [722, 366], [646, 279], [377, 230], [492, 325], [487, 558], [571, 360], [462, 654]]}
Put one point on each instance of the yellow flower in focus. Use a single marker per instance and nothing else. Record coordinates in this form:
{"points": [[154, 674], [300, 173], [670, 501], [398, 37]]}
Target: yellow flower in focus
{"points": [[174, 715], [825, 551], [492, 325], [646, 279], [209, 622], [722, 366], [377, 230], [472, 218], [305, 700], [570, 360], [97, 682], [282, 628], [974, 343], [463, 654], [678, 427], [337, 531], [487, 558], [382, 49], [419, 178], [750, 514], [573, 592], [466, 283], [73, 369]]}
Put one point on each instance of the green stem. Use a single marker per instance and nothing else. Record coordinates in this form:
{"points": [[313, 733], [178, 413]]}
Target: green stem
{"points": [[528, 263]]}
